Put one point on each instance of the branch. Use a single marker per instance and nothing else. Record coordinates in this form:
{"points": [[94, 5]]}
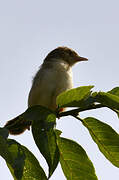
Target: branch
{"points": [[75, 112]]}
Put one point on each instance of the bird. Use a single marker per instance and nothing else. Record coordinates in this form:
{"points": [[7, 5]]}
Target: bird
{"points": [[53, 77]]}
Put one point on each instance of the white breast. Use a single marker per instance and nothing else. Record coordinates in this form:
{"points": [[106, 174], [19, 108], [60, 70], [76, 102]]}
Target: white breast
{"points": [[49, 83]]}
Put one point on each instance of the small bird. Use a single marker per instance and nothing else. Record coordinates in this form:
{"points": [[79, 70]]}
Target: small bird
{"points": [[53, 77]]}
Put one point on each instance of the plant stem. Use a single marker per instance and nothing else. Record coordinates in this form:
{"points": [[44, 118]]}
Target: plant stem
{"points": [[75, 112], [78, 118]]}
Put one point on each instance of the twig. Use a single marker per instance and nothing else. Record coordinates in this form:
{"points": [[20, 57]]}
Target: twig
{"points": [[75, 112], [78, 118]]}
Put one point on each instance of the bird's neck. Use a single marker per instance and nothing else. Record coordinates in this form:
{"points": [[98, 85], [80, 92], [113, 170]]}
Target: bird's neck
{"points": [[56, 63]]}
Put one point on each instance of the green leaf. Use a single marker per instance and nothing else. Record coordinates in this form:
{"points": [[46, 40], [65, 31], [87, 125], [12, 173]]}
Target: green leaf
{"points": [[4, 152], [45, 138], [107, 99], [4, 132], [21, 162], [40, 114], [74, 97], [74, 161], [105, 137], [114, 91]]}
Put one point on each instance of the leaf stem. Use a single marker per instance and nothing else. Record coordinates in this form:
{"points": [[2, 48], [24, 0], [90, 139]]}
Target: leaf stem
{"points": [[78, 118]]}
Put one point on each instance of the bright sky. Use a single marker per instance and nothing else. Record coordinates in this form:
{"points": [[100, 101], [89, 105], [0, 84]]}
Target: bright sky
{"points": [[28, 31]]}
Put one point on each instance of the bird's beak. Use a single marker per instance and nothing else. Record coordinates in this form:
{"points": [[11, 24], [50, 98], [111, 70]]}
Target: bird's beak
{"points": [[79, 58]]}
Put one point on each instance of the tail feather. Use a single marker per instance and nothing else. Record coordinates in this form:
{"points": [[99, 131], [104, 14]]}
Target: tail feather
{"points": [[17, 126]]}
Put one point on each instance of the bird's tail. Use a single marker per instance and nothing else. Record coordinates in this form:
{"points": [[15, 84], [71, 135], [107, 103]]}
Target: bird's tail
{"points": [[17, 125]]}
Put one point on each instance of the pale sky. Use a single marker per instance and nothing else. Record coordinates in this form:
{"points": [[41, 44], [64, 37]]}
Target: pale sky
{"points": [[28, 31]]}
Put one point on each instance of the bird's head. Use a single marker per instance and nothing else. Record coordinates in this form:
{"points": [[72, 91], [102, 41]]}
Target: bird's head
{"points": [[66, 54]]}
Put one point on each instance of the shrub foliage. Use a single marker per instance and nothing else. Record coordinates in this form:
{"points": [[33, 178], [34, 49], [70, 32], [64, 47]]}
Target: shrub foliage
{"points": [[56, 149]]}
